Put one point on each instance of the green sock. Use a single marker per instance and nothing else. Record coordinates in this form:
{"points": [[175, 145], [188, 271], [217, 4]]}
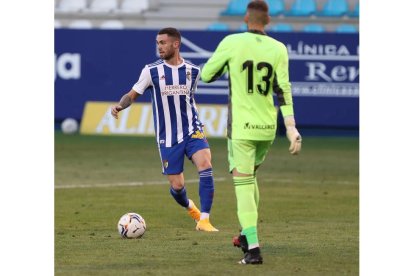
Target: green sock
{"points": [[247, 208], [256, 192], [251, 236]]}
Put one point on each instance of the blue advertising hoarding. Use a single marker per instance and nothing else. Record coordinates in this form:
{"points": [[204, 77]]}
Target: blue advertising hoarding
{"points": [[102, 65]]}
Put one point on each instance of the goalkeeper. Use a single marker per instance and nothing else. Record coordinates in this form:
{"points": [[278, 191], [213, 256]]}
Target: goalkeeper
{"points": [[257, 65]]}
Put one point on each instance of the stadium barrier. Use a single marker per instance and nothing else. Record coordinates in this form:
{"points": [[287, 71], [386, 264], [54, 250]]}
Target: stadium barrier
{"points": [[102, 65]]}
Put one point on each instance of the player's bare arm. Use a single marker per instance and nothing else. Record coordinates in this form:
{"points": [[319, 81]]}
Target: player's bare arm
{"points": [[125, 102]]}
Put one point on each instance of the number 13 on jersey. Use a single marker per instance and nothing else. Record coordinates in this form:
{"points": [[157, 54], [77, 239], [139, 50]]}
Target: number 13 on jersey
{"points": [[262, 85]]}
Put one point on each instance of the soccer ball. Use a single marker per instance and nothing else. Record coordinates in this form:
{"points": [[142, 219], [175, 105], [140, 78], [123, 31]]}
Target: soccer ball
{"points": [[69, 126], [131, 226]]}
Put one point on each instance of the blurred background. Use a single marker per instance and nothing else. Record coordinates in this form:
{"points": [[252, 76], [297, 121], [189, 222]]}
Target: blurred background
{"points": [[102, 45], [287, 15]]}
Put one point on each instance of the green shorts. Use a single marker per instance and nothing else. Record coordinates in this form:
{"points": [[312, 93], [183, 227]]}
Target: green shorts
{"points": [[244, 155]]}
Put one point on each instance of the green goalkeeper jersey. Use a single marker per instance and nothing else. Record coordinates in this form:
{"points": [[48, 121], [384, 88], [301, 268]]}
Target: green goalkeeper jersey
{"points": [[258, 66]]}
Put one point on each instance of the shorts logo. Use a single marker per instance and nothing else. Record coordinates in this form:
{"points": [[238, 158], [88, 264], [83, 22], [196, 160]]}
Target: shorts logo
{"points": [[198, 135], [165, 163]]}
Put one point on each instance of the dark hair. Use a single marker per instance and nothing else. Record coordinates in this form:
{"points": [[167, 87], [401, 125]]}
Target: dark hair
{"points": [[258, 5], [172, 32], [258, 12]]}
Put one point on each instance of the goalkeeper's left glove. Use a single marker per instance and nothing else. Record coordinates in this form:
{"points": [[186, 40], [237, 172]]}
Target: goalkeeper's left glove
{"points": [[293, 135]]}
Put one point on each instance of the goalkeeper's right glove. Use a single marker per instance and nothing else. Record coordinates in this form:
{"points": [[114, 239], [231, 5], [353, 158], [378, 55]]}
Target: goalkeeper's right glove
{"points": [[293, 135]]}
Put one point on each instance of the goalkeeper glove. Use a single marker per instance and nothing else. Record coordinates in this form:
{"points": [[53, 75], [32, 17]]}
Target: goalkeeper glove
{"points": [[293, 135]]}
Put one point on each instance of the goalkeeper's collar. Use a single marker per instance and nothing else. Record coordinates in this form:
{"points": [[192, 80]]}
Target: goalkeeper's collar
{"points": [[256, 32]]}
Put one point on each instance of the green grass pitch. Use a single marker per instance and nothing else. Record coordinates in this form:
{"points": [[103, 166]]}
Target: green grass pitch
{"points": [[308, 217]]}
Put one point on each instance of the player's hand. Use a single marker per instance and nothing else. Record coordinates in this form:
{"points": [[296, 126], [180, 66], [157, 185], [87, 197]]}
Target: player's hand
{"points": [[295, 140], [293, 135], [115, 110]]}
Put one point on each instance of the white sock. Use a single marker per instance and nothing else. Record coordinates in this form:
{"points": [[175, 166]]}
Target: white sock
{"points": [[204, 216]]}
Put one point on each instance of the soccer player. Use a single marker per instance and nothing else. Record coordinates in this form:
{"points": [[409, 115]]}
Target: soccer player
{"points": [[257, 65], [179, 132]]}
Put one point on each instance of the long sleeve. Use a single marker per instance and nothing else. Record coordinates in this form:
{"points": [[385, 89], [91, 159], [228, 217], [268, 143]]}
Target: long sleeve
{"points": [[282, 86], [217, 64]]}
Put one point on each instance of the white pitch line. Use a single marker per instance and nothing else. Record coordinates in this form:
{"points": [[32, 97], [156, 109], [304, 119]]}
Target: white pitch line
{"points": [[126, 184], [216, 179]]}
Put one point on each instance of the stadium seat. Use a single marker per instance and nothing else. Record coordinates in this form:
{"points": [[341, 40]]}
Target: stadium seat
{"points": [[218, 26], [334, 8], [80, 24], [281, 27], [103, 6], [314, 28], [72, 5], [303, 8], [346, 28], [134, 6], [236, 7], [112, 24], [355, 12], [276, 7]]}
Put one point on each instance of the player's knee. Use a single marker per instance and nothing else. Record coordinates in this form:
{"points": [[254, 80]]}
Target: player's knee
{"points": [[204, 165], [235, 172], [176, 183]]}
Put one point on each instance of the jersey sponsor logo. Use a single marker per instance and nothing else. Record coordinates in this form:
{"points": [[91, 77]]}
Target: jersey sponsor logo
{"points": [[259, 127], [171, 90]]}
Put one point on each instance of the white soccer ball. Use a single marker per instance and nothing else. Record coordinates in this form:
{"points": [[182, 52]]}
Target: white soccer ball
{"points": [[131, 226], [69, 126]]}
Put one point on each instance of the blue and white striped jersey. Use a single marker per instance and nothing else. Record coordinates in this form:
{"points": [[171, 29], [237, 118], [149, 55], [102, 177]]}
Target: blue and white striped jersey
{"points": [[173, 105]]}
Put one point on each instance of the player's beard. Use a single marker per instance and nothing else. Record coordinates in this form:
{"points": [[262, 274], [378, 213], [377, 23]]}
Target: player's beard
{"points": [[168, 55]]}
